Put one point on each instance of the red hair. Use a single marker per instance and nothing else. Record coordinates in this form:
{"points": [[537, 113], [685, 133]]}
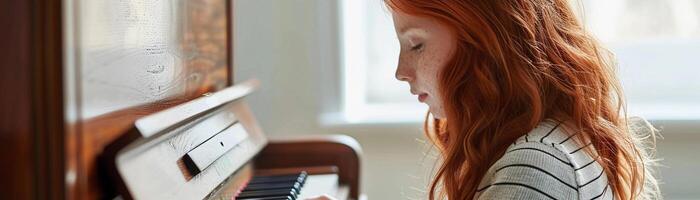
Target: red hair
{"points": [[517, 63]]}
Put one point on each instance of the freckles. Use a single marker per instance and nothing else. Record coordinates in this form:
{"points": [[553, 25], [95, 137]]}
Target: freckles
{"points": [[433, 63], [428, 61], [427, 67]]}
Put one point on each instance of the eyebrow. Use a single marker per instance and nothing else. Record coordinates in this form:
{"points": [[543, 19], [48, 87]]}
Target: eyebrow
{"points": [[404, 29], [407, 26]]}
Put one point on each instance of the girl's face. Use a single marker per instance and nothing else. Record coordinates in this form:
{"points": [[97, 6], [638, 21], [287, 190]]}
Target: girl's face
{"points": [[426, 47]]}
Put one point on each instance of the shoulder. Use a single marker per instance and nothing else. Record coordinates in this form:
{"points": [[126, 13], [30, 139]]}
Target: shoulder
{"points": [[530, 170], [540, 165]]}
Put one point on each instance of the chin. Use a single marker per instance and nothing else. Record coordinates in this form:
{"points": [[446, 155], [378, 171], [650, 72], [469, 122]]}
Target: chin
{"points": [[436, 114]]}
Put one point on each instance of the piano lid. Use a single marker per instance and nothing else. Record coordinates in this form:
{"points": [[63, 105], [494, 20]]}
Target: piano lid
{"points": [[187, 151]]}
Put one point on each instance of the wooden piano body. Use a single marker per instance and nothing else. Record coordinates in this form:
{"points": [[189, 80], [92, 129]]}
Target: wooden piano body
{"points": [[220, 131], [83, 72]]}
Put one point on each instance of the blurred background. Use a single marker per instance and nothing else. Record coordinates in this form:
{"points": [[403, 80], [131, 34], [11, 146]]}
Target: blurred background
{"points": [[327, 67]]}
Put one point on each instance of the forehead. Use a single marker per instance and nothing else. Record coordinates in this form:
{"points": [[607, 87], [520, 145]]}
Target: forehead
{"points": [[404, 22]]}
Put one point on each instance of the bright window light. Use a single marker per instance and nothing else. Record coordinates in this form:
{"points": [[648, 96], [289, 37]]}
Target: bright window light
{"points": [[656, 42], [370, 55]]}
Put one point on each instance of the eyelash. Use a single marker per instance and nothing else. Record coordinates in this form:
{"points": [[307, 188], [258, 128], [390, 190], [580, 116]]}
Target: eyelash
{"points": [[417, 47]]}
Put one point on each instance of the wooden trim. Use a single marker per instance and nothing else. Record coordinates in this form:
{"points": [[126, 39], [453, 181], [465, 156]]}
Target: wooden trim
{"points": [[16, 152], [230, 27], [32, 107], [47, 100]]}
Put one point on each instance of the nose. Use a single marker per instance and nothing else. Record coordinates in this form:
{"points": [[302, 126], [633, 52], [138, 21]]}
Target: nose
{"points": [[404, 73]]}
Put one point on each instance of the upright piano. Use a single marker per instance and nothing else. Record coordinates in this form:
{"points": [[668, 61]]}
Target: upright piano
{"points": [[135, 99], [213, 148]]}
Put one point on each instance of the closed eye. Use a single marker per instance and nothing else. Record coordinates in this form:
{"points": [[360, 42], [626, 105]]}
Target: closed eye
{"points": [[417, 47]]}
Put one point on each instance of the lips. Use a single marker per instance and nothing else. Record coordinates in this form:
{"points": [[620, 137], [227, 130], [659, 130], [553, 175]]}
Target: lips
{"points": [[422, 97]]}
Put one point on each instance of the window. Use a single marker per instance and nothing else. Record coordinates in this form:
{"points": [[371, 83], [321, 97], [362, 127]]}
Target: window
{"points": [[370, 53], [656, 43]]}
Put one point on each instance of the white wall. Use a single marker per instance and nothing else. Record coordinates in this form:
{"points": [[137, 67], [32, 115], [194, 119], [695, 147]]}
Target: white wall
{"points": [[278, 42], [290, 45]]}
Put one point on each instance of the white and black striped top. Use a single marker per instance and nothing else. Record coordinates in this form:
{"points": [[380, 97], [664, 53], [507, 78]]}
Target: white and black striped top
{"points": [[546, 164]]}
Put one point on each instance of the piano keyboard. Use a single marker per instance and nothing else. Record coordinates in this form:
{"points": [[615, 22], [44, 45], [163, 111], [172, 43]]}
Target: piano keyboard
{"points": [[287, 187]]}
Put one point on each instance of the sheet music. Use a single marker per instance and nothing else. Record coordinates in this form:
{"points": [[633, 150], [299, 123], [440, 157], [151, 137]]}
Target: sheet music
{"points": [[139, 52]]}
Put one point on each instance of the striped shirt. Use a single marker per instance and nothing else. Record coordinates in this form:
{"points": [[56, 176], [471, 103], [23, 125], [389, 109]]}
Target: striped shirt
{"points": [[546, 163]]}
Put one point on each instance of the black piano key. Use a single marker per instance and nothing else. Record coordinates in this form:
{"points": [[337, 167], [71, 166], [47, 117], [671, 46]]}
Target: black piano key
{"points": [[268, 198], [274, 187], [261, 184], [254, 187], [302, 173], [296, 191], [274, 181], [267, 193], [301, 177], [290, 183]]}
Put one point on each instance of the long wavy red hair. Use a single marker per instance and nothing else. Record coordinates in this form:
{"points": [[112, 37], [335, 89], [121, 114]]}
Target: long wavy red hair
{"points": [[517, 63]]}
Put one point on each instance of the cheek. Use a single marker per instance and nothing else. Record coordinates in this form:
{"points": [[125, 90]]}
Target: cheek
{"points": [[431, 66]]}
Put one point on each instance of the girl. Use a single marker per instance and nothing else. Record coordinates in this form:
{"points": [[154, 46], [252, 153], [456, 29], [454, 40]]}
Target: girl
{"points": [[524, 103]]}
